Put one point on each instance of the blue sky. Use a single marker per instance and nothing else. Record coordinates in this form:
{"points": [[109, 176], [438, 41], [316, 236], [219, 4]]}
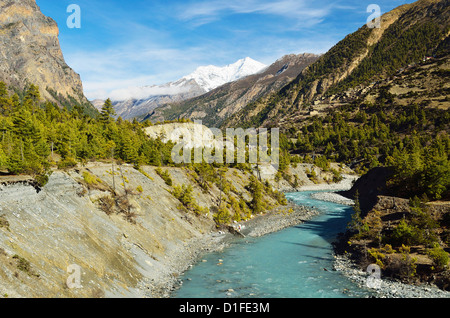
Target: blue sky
{"points": [[132, 43]]}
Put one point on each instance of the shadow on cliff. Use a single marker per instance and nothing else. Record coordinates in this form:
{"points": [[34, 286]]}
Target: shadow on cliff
{"points": [[369, 187]]}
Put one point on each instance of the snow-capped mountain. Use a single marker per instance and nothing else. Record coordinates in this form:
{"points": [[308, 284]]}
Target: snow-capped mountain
{"points": [[224, 101], [210, 77], [137, 101]]}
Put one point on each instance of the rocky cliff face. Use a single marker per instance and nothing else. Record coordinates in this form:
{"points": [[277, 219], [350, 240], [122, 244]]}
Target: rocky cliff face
{"points": [[43, 232], [30, 52]]}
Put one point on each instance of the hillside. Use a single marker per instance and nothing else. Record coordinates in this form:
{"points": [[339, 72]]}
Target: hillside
{"points": [[378, 98], [30, 54], [219, 104], [133, 246], [408, 34], [408, 239]]}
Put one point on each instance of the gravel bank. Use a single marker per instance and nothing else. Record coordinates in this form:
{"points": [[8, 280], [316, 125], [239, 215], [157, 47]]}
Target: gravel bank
{"points": [[277, 220], [332, 197], [345, 184], [386, 288], [182, 257], [179, 260]]}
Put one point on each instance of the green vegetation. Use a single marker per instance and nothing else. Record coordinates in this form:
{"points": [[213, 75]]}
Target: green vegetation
{"points": [[412, 43], [90, 179], [24, 265], [395, 245], [413, 140], [184, 194], [36, 135], [439, 257], [165, 176], [223, 215]]}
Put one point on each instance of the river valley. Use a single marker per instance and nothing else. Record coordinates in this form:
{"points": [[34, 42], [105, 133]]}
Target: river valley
{"points": [[293, 263]]}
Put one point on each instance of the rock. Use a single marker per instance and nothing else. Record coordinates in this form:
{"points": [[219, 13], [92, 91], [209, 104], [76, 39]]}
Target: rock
{"points": [[30, 52]]}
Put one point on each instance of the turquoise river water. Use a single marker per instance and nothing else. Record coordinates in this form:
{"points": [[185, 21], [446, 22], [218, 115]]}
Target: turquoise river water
{"points": [[293, 263]]}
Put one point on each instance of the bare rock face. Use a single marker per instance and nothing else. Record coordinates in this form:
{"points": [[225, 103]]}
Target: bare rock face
{"points": [[30, 52]]}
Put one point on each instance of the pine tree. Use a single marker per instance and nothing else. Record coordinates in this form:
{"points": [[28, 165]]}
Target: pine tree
{"points": [[356, 222], [107, 112], [255, 188]]}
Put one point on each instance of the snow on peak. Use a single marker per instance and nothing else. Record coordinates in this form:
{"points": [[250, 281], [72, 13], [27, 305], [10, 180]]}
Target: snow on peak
{"points": [[204, 79], [210, 77]]}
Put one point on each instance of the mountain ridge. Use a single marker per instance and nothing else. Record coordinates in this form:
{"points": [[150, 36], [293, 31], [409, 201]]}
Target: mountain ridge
{"points": [[361, 58], [218, 104], [134, 102]]}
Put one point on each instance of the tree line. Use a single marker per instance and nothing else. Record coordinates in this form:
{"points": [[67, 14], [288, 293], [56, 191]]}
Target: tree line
{"points": [[36, 135], [412, 140]]}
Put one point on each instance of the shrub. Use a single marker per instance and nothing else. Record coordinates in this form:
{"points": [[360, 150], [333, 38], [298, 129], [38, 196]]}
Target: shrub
{"points": [[311, 174], [377, 256], [107, 204], [165, 176], [125, 207], [404, 234], [439, 257], [90, 179], [22, 264], [408, 267], [223, 215], [67, 163], [255, 188], [184, 194], [337, 176], [42, 178]]}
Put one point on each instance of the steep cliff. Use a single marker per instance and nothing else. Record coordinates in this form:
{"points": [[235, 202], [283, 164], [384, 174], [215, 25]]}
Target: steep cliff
{"points": [[30, 52]]}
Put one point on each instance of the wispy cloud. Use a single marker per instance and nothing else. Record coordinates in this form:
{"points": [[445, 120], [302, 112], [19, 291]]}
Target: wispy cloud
{"points": [[298, 10], [123, 45], [106, 73]]}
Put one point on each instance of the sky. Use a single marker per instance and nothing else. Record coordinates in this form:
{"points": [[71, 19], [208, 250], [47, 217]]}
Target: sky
{"points": [[122, 44]]}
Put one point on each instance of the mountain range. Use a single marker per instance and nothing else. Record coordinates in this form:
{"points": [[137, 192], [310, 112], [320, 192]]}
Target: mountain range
{"points": [[107, 192], [218, 104], [247, 92], [356, 66], [139, 101]]}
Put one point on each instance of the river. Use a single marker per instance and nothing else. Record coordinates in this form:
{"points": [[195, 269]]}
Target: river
{"points": [[293, 263]]}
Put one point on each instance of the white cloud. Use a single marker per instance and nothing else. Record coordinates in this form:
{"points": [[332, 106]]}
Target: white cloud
{"points": [[111, 72], [139, 54], [298, 10], [144, 92]]}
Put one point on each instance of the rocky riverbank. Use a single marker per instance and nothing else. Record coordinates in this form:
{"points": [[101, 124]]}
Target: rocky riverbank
{"points": [[184, 257], [383, 287], [332, 197], [139, 253]]}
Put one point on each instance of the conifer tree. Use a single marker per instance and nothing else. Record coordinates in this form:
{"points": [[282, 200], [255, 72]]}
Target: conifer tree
{"points": [[107, 112], [255, 187]]}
